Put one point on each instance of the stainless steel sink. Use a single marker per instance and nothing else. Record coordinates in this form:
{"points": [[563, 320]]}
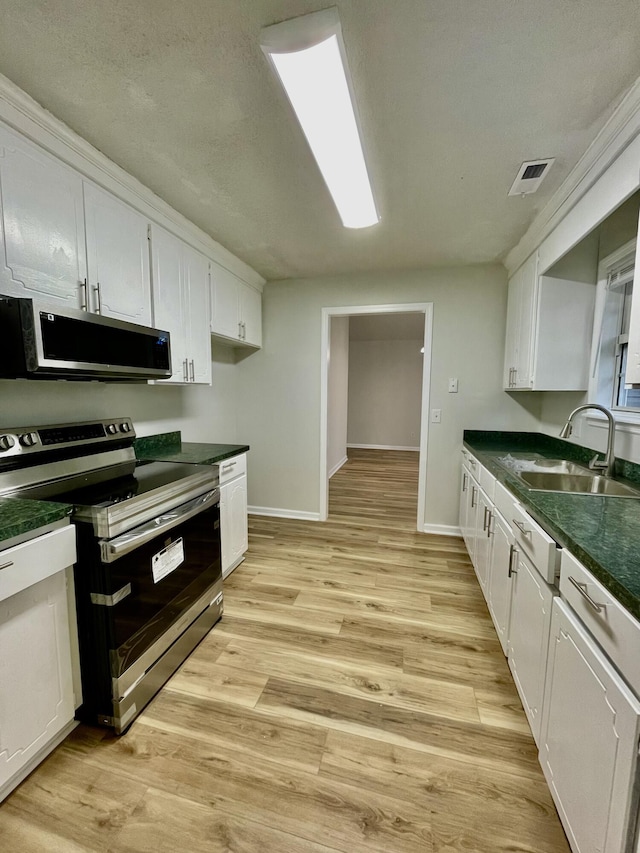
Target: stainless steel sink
{"points": [[583, 483]]}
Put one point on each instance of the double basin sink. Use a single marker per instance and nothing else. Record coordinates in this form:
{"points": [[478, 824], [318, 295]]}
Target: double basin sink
{"points": [[560, 475]]}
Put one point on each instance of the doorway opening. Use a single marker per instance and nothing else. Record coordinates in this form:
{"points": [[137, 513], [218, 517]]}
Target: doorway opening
{"points": [[374, 436]]}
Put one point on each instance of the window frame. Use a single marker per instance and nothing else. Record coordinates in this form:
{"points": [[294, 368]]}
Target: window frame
{"points": [[623, 415]]}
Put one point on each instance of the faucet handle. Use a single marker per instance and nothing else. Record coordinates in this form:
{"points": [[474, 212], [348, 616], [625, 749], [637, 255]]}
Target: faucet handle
{"points": [[597, 463]]}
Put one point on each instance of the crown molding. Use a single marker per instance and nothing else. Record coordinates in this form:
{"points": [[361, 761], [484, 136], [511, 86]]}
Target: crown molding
{"points": [[618, 132], [26, 116]]}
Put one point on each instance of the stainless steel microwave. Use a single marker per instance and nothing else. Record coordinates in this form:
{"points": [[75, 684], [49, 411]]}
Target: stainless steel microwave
{"points": [[38, 341]]}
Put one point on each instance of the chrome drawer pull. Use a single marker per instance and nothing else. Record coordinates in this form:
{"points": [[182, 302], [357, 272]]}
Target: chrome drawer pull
{"points": [[521, 528], [484, 523], [473, 497], [6, 565], [582, 589]]}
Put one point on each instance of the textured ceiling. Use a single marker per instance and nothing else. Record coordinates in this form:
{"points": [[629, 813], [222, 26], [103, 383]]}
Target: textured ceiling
{"points": [[386, 327], [453, 96]]}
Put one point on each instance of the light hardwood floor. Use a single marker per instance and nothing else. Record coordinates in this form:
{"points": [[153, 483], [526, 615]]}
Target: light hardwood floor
{"points": [[353, 698]]}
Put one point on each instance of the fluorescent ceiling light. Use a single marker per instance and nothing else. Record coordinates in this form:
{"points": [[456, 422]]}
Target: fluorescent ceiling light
{"points": [[308, 56]]}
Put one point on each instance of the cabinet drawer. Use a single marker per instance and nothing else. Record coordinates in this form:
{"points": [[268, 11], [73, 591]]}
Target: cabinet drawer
{"points": [[617, 632], [504, 502], [33, 561], [232, 468], [538, 546]]}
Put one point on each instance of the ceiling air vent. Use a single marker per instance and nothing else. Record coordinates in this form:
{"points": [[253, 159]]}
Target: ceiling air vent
{"points": [[530, 175]]}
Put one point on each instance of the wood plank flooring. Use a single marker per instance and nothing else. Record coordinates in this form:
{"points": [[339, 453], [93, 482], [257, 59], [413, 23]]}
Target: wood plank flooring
{"points": [[353, 698]]}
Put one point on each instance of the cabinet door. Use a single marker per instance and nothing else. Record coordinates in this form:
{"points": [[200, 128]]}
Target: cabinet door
{"points": [[238, 516], [528, 321], [43, 252], [197, 311], [512, 331], [589, 740], [499, 585], [168, 298], [118, 258], [225, 304], [464, 503], [473, 493], [529, 638], [251, 315], [36, 682], [482, 554]]}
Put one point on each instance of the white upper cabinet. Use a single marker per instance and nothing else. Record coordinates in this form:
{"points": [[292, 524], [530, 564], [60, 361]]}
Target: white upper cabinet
{"points": [[42, 225], [168, 300], [549, 323], [251, 315], [197, 312], [180, 278], [236, 308], [118, 258]]}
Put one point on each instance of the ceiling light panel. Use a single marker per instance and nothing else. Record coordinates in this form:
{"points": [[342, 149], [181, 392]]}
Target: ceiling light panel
{"points": [[307, 54]]}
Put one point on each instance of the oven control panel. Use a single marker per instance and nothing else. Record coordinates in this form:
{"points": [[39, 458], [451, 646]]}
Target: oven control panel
{"points": [[39, 439]]}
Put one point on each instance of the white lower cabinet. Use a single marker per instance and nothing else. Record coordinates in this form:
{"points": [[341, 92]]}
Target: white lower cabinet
{"points": [[531, 602], [499, 579], [234, 530], [589, 740], [38, 659]]}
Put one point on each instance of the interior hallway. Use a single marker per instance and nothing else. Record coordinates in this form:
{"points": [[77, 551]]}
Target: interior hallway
{"points": [[353, 698]]}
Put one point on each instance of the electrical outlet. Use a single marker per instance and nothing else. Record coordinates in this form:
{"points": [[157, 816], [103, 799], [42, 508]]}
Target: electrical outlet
{"points": [[453, 386], [436, 416]]}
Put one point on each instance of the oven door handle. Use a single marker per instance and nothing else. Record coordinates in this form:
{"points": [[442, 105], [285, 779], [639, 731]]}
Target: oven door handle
{"points": [[111, 550]]}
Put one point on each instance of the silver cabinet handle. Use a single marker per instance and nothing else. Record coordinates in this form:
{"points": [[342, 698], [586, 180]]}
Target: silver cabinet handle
{"points": [[521, 527], [244, 331], [472, 462], [240, 329], [473, 497], [513, 551], [484, 520], [6, 565], [582, 589], [185, 370], [464, 481], [115, 548], [193, 371], [228, 466], [489, 528], [83, 297], [99, 298]]}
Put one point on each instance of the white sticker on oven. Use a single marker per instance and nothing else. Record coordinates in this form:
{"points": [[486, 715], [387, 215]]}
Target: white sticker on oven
{"points": [[167, 560]]}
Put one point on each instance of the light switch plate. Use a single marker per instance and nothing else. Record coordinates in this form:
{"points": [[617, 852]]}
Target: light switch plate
{"points": [[436, 416], [453, 386]]}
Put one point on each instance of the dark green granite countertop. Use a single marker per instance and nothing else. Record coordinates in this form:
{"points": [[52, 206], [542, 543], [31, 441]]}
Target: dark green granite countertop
{"points": [[603, 533], [169, 447], [18, 516]]}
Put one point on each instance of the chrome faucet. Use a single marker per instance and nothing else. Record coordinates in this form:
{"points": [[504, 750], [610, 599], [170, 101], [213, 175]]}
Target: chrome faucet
{"points": [[596, 463]]}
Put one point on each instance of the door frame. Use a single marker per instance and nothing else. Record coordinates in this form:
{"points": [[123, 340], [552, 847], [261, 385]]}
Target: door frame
{"points": [[425, 308]]}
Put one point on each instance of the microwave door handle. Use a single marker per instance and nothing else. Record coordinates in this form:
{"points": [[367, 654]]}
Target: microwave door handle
{"points": [[113, 549]]}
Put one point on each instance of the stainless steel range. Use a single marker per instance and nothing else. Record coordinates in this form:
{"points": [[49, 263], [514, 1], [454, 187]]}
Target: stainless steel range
{"points": [[148, 579]]}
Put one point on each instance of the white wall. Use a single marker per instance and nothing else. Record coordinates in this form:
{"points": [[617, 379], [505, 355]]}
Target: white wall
{"points": [[279, 399], [203, 413], [385, 387], [337, 393]]}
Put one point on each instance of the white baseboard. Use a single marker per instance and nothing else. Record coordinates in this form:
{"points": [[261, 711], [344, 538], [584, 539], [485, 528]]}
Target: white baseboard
{"points": [[380, 447], [441, 529], [274, 512], [337, 467]]}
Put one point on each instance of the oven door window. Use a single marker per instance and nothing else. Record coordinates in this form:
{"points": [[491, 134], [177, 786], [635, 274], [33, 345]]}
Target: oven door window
{"points": [[167, 576]]}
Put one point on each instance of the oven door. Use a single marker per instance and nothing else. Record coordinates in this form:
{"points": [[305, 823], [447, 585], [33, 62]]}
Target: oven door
{"points": [[156, 580]]}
